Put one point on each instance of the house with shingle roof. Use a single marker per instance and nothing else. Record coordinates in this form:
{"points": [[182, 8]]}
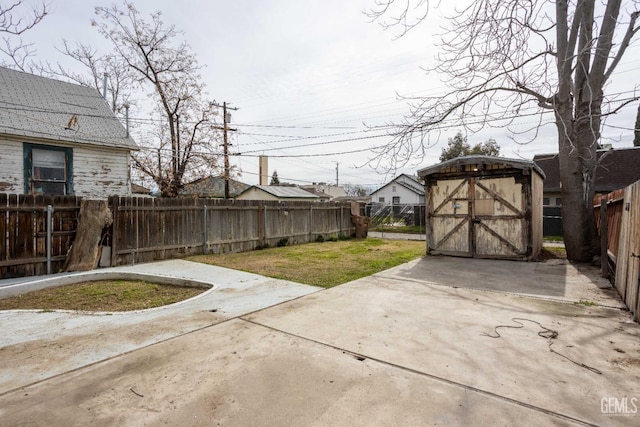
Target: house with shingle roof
{"points": [[213, 187], [277, 192], [617, 168], [401, 190], [60, 138]]}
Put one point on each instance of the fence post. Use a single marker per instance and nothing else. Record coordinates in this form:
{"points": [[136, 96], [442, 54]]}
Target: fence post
{"points": [[604, 238], [264, 214], [114, 229], [49, 236], [204, 230], [310, 222]]}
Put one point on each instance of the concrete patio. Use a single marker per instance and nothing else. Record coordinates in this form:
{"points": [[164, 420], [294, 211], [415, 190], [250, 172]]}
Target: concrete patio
{"points": [[408, 346]]}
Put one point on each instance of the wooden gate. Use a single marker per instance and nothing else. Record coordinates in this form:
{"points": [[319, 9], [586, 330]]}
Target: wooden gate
{"points": [[481, 217]]}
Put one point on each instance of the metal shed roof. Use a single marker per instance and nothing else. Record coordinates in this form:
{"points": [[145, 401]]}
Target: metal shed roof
{"points": [[493, 161], [284, 192]]}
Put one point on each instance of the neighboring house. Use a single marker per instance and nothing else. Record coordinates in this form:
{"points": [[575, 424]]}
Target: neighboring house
{"points": [[617, 168], [402, 190], [60, 138], [332, 191], [322, 196], [213, 187], [276, 192], [139, 190]]}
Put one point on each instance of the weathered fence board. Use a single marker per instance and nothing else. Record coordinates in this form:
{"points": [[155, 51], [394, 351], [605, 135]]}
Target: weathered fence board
{"points": [[26, 234], [148, 229], [628, 259]]}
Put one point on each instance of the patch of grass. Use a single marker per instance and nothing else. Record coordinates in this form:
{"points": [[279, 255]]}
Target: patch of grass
{"points": [[103, 295], [554, 238], [586, 303], [323, 264], [408, 229], [551, 252]]}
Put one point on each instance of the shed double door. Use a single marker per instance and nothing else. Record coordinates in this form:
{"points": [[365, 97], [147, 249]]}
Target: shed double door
{"points": [[481, 217]]}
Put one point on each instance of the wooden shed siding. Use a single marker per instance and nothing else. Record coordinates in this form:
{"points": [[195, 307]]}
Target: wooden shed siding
{"points": [[100, 173], [11, 165]]}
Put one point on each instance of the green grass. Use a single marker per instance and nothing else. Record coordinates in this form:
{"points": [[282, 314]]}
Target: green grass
{"points": [[103, 295], [409, 229], [323, 264]]}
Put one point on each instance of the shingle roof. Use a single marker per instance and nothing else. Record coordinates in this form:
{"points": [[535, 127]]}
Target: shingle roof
{"points": [[213, 186], [406, 181], [285, 192], [617, 169], [43, 108]]}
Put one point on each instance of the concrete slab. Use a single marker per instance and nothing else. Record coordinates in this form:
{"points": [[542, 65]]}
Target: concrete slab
{"points": [[445, 333], [36, 345], [554, 279], [407, 346], [240, 373]]}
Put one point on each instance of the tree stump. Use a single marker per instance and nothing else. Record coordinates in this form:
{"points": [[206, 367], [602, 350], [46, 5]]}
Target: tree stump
{"points": [[85, 251]]}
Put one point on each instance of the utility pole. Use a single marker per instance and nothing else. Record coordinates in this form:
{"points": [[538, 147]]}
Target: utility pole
{"points": [[225, 144], [337, 165]]}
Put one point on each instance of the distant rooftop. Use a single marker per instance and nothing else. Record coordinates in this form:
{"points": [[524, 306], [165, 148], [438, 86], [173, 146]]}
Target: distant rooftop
{"points": [[617, 168]]}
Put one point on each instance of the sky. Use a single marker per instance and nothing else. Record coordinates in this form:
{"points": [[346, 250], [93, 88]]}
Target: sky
{"points": [[312, 72]]}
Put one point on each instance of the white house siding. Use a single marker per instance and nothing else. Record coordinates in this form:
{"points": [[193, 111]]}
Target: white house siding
{"points": [[407, 197], [97, 173], [11, 165]]}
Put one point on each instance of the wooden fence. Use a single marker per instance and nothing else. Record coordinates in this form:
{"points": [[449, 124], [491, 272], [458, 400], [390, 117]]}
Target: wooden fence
{"points": [[621, 209], [148, 229], [36, 233]]}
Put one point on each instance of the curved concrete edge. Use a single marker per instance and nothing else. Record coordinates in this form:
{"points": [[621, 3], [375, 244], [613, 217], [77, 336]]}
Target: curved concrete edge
{"points": [[72, 279]]}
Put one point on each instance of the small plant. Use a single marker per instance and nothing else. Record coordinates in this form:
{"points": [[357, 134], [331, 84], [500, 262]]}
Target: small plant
{"points": [[332, 239], [283, 242], [320, 239], [586, 303]]}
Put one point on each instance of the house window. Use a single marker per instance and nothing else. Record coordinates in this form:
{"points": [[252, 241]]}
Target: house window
{"points": [[47, 169], [545, 201], [380, 199], [393, 188], [395, 200], [558, 201]]}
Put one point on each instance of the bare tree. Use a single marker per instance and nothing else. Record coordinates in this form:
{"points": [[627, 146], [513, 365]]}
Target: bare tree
{"points": [[183, 144], [636, 130], [503, 59], [121, 79], [15, 19]]}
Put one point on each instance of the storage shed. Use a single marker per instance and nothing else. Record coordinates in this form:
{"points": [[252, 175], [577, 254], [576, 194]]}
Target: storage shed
{"points": [[484, 207]]}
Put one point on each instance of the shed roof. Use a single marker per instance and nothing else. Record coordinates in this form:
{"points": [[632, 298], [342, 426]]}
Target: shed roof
{"points": [[284, 192], [479, 160], [43, 108]]}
